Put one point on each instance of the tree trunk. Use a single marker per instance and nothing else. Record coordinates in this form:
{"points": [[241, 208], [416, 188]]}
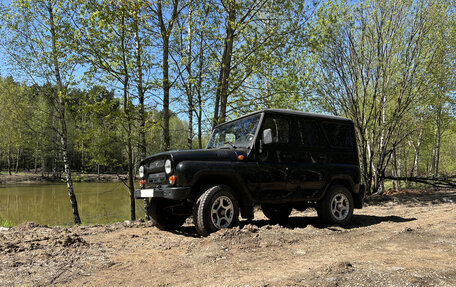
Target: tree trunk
{"points": [[127, 113], [437, 146], [198, 90], [131, 189], [166, 88], [36, 158], [61, 114], [142, 116], [399, 169], [9, 158], [395, 170], [139, 75], [18, 157], [416, 158], [189, 87], [43, 167], [215, 121], [165, 34], [434, 169], [225, 67]]}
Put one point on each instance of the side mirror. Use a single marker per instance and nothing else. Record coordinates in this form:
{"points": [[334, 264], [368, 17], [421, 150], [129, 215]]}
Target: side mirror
{"points": [[267, 136]]}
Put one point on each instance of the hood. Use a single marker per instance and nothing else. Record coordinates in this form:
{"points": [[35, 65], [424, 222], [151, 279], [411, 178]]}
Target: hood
{"points": [[200, 155]]}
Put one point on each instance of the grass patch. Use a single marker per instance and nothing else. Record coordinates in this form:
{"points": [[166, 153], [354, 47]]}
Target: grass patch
{"points": [[6, 223]]}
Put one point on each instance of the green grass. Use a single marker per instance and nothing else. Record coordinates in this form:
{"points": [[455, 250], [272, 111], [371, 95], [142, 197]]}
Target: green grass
{"points": [[6, 223], [5, 172]]}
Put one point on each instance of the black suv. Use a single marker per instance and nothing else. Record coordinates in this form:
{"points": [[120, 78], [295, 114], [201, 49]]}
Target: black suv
{"points": [[278, 159]]}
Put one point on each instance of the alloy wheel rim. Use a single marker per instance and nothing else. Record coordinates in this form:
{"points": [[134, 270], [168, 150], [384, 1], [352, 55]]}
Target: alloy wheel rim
{"points": [[340, 206], [222, 212]]}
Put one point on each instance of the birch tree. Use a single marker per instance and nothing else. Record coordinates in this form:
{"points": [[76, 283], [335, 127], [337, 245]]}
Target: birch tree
{"points": [[371, 69], [106, 41], [38, 38]]}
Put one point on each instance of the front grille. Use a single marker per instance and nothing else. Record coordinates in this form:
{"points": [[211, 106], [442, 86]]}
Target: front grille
{"points": [[158, 164], [157, 178]]}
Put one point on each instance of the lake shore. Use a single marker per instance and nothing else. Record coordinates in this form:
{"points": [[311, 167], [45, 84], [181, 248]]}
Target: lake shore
{"points": [[30, 177]]}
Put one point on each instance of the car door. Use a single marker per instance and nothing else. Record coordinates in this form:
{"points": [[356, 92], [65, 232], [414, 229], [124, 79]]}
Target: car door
{"points": [[274, 159], [308, 172]]}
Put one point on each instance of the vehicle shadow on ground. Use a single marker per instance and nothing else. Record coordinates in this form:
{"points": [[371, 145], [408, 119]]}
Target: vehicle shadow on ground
{"points": [[407, 198], [187, 231], [357, 221]]}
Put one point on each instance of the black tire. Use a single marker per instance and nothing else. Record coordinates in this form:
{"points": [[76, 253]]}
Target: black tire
{"points": [[216, 208], [336, 207], [161, 215], [276, 213]]}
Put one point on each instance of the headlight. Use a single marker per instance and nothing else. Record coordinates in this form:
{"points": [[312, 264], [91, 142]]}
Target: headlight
{"points": [[141, 171], [168, 167]]}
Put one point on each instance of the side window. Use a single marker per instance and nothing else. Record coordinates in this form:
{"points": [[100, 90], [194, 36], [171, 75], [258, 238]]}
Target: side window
{"points": [[339, 135], [280, 129], [309, 133]]}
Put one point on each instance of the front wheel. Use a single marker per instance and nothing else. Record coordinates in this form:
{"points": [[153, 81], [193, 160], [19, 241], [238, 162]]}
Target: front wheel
{"points": [[215, 209], [337, 206]]}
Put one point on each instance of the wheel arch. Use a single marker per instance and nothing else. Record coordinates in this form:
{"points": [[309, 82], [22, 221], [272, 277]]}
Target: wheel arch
{"points": [[205, 179], [348, 183]]}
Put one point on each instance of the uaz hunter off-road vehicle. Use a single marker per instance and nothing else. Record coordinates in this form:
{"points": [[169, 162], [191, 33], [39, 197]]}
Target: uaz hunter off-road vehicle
{"points": [[278, 159]]}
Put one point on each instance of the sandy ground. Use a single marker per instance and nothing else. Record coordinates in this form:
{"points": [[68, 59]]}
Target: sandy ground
{"points": [[406, 239]]}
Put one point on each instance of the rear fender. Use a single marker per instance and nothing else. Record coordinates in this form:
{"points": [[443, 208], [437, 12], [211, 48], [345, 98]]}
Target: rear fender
{"points": [[355, 189]]}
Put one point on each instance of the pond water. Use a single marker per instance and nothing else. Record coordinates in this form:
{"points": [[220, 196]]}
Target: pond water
{"points": [[49, 204]]}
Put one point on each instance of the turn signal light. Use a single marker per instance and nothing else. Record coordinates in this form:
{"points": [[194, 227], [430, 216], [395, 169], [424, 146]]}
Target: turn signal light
{"points": [[241, 157], [172, 179]]}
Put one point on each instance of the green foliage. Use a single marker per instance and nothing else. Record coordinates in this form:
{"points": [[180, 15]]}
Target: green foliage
{"points": [[6, 223], [386, 65], [95, 127]]}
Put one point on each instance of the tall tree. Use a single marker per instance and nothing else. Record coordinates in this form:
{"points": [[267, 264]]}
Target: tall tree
{"points": [[39, 33], [165, 29], [372, 69], [442, 80], [254, 30], [105, 40]]}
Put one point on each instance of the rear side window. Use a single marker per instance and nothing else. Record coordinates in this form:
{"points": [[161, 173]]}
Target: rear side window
{"points": [[339, 135], [309, 133]]}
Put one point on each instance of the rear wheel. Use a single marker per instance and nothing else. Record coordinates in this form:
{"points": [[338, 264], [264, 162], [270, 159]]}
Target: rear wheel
{"points": [[162, 216], [216, 208], [337, 206], [276, 213]]}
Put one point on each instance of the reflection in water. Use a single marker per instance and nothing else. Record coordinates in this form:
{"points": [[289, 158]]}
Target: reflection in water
{"points": [[49, 204]]}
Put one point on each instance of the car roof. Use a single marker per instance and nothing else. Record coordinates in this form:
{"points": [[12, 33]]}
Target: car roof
{"points": [[292, 113], [306, 114]]}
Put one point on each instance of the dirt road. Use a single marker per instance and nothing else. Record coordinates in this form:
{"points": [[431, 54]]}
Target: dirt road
{"points": [[398, 240]]}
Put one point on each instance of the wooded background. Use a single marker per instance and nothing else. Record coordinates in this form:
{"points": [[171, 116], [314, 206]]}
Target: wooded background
{"points": [[97, 85]]}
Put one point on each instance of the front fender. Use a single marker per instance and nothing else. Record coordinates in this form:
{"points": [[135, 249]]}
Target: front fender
{"points": [[234, 174]]}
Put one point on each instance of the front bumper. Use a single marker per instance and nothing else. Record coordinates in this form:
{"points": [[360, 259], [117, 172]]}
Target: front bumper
{"points": [[174, 193]]}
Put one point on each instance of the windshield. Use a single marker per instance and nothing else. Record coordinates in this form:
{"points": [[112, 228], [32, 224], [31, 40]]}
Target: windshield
{"points": [[239, 133]]}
